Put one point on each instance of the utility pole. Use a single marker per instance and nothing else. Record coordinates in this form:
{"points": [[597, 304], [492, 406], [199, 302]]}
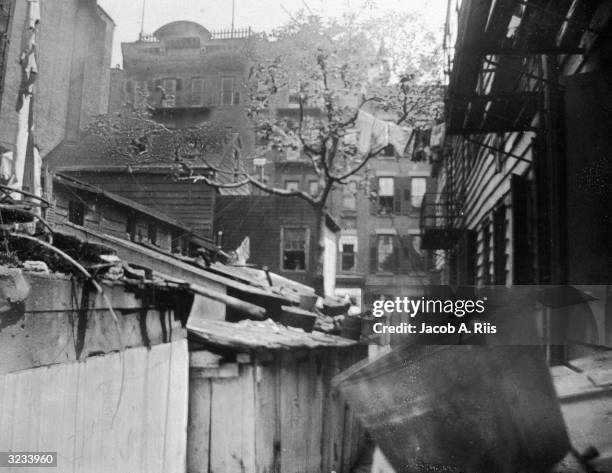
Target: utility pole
{"points": [[29, 72]]}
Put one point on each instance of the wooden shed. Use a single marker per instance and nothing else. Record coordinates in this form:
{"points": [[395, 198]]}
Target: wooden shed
{"points": [[260, 399]]}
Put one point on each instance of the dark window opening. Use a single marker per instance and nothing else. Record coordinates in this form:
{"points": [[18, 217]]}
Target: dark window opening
{"points": [[386, 254], [348, 257], [386, 194], [389, 151], [294, 244], [152, 233], [76, 212], [130, 228], [175, 243]]}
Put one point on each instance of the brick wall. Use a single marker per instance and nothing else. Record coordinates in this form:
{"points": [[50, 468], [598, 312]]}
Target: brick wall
{"points": [[71, 79]]}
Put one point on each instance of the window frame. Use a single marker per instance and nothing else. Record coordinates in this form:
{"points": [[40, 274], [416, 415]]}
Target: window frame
{"points": [[392, 237], [352, 241], [223, 91], [169, 92], [152, 233], [202, 82], [306, 247], [76, 207], [288, 182], [386, 201], [413, 194]]}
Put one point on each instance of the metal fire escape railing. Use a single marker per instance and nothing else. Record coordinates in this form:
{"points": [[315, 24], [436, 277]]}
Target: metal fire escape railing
{"points": [[492, 87], [440, 221]]}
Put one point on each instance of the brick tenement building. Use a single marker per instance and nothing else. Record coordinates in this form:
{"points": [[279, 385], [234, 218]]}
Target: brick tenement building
{"points": [[379, 249], [187, 75], [74, 44]]}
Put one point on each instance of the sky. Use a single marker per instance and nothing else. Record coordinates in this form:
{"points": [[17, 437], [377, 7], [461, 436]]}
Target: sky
{"points": [[260, 15]]}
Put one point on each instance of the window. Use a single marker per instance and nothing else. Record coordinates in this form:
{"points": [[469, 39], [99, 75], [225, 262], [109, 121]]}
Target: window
{"points": [[169, 99], [197, 91], [385, 253], [313, 188], [176, 242], [348, 250], [385, 194], [348, 257], [76, 212], [294, 244], [294, 96], [292, 185], [348, 196], [152, 233], [130, 228], [418, 185], [227, 91], [388, 151]]}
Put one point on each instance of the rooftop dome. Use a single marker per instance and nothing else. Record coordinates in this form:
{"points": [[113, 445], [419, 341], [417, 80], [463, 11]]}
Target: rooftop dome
{"points": [[181, 29]]}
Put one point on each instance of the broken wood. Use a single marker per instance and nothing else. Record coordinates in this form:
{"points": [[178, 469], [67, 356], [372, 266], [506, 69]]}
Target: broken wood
{"points": [[245, 307]]}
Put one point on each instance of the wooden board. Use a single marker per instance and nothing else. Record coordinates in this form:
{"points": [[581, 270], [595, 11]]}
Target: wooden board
{"points": [[198, 428], [232, 432], [125, 411]]}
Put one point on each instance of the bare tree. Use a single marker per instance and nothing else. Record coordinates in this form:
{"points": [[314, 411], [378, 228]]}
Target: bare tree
{"points": [[334, 73]]}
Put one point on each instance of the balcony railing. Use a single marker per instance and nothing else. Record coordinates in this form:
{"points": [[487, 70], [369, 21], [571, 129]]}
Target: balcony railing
{"points": [[236, 33], [440, 222]]}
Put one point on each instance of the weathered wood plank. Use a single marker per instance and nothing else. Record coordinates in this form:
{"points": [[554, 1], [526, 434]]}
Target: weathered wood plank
{"points": [[177, 407], [315, 395], [198, 429], [266, 418], [294, 416], [93, 422], [111, 391], [156, 409], [67, 377], [232, 429], [100, 414]]}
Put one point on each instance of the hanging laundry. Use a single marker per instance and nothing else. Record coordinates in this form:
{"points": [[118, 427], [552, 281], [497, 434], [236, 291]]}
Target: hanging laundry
{"points": [[365, 125], [373, 133], [399, 137], [438, 133]]}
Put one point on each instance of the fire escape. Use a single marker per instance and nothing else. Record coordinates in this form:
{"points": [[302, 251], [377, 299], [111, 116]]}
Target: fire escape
{"points": [[499, 82]]}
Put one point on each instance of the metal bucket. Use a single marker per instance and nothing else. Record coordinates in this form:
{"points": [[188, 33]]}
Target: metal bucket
{"points": [[460, 408]]}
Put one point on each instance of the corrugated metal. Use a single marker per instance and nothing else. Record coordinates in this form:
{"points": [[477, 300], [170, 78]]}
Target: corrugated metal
{"points": [[120, 412]]}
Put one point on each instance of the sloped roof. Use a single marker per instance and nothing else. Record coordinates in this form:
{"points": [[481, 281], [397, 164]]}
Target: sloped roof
{"points": [[76, 184], [93, 151], [261, 335]]}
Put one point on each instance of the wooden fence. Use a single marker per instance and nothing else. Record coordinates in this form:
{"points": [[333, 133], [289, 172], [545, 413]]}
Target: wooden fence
{"points": [[119, 412], [273, 414]]}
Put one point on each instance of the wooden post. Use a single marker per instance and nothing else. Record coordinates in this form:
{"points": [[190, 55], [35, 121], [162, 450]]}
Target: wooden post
{"points": [[29, 72]]}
